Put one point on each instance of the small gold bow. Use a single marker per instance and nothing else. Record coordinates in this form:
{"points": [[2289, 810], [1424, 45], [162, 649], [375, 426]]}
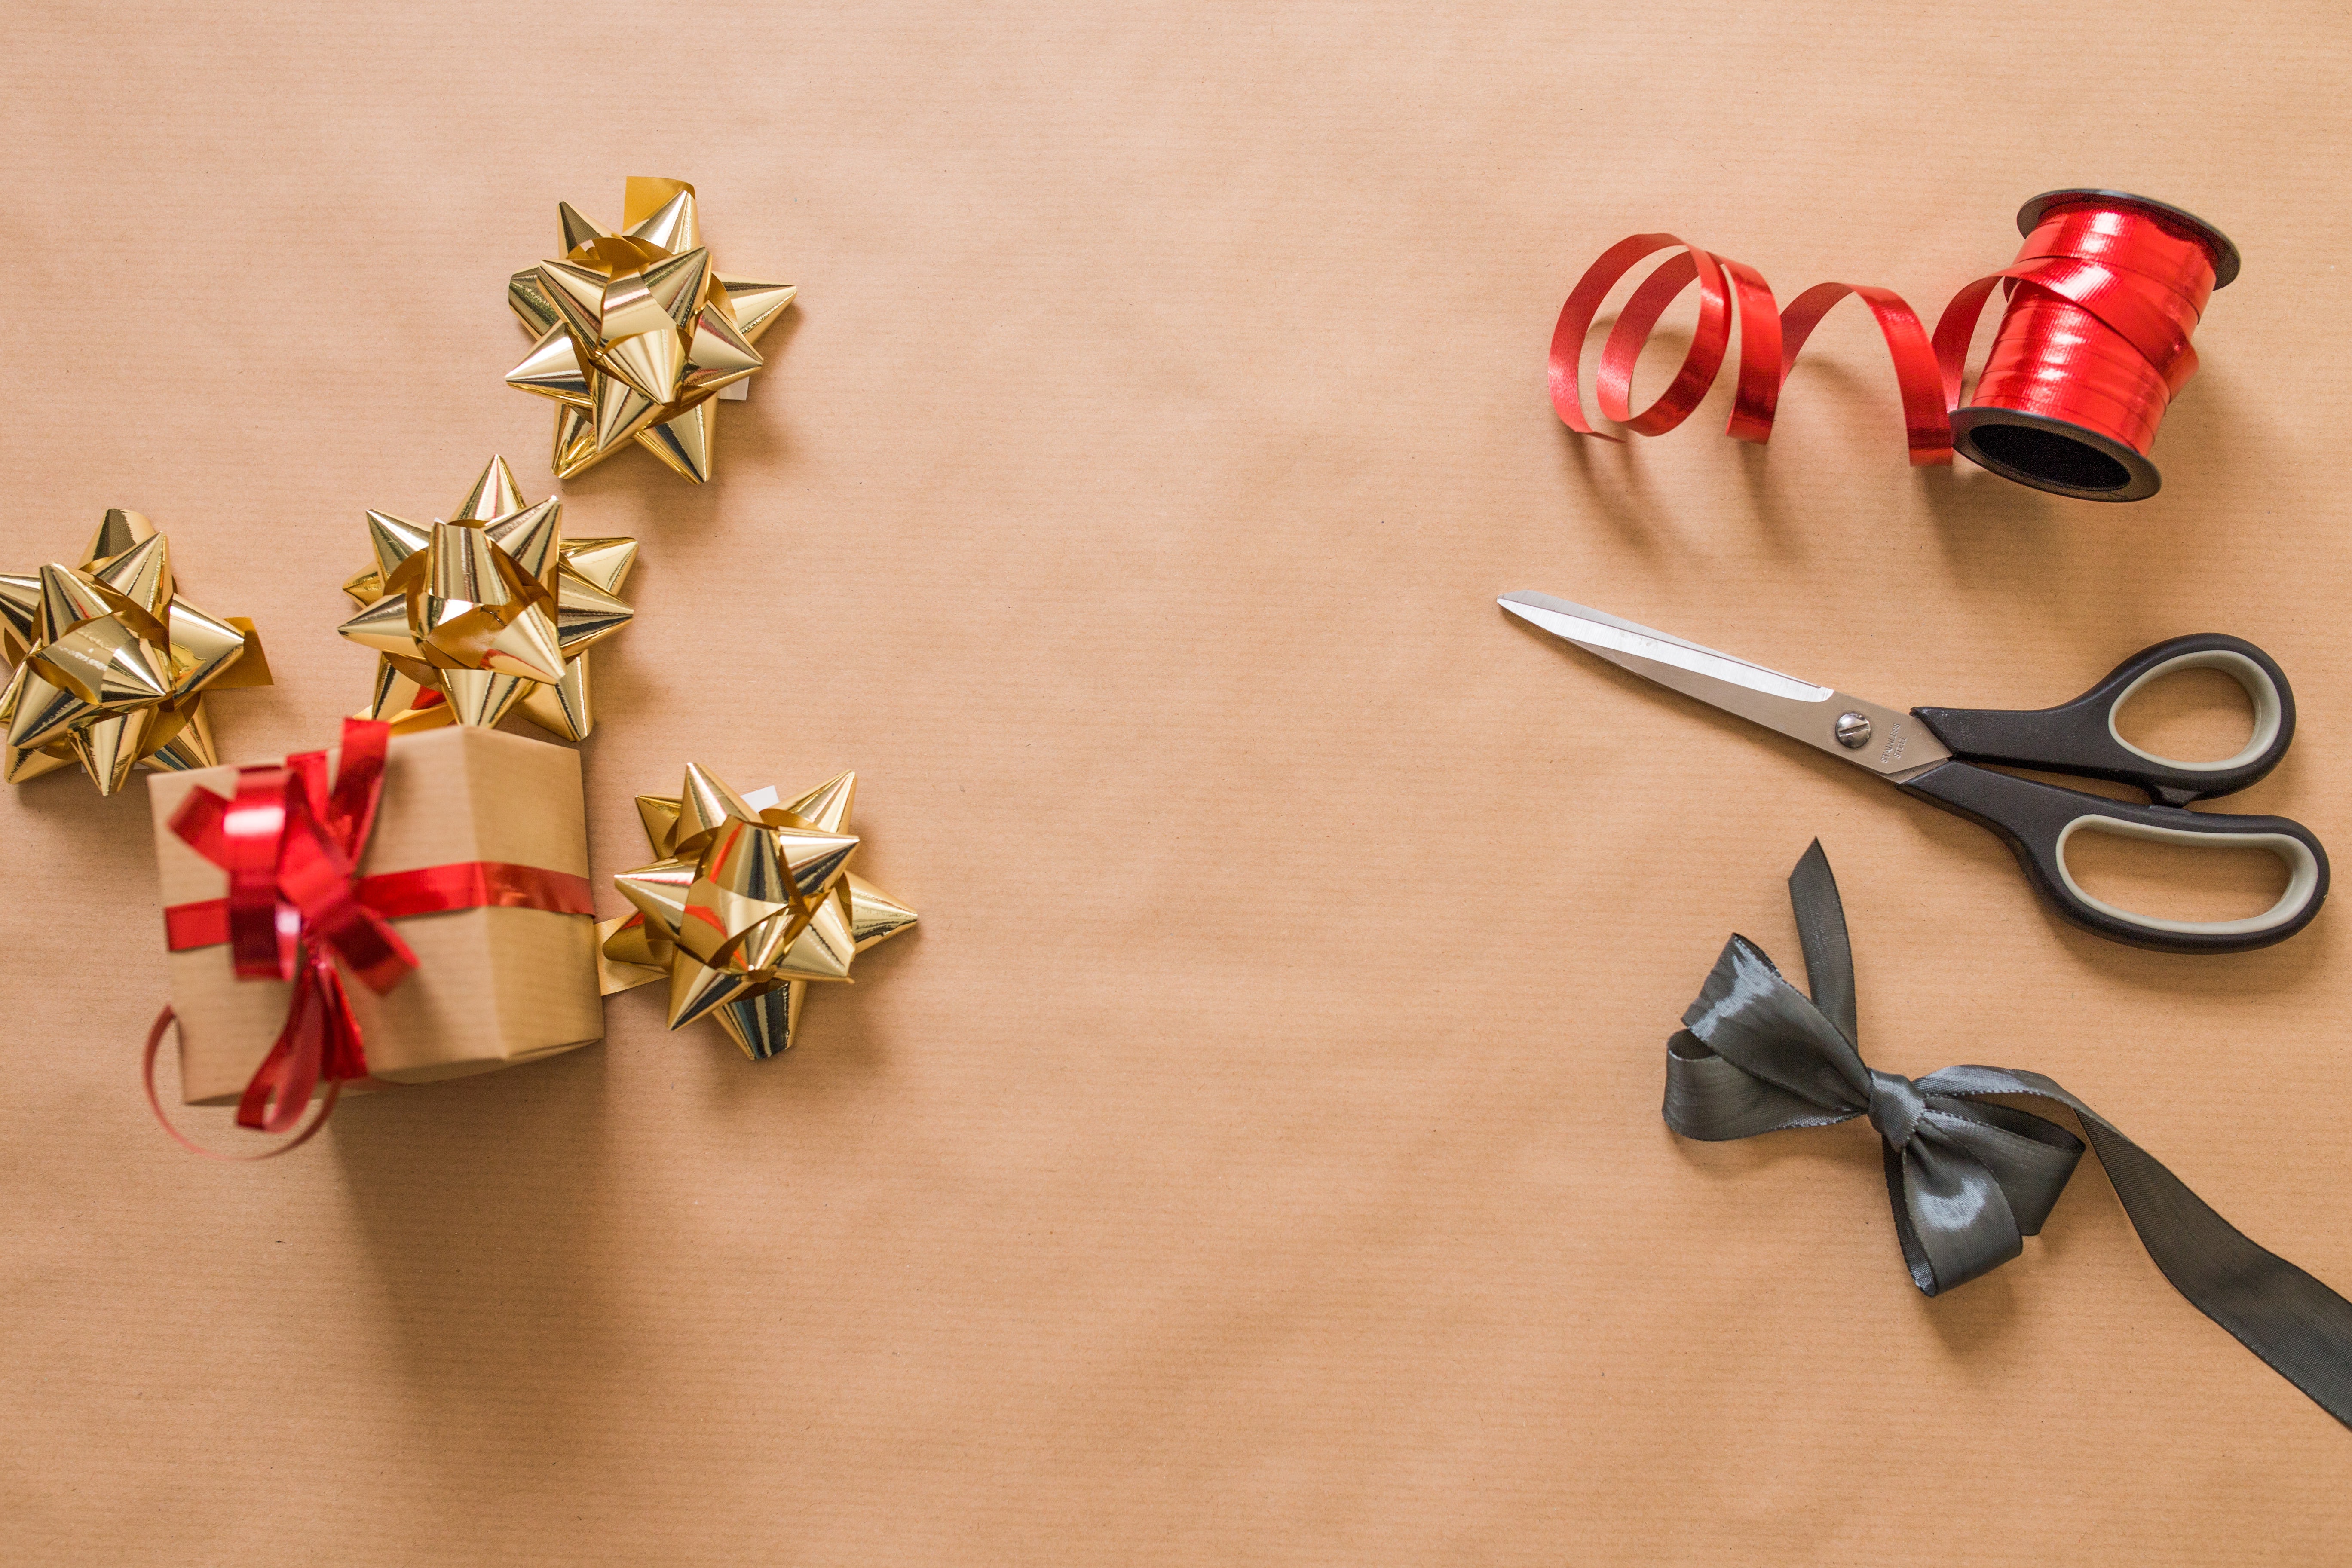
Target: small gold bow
{"points": [[112, 664], [636, 333], [751, 902], [491, 609]]}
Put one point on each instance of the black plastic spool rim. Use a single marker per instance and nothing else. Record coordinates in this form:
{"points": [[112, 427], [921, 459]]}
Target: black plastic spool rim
{"points": [[2056, 454]]}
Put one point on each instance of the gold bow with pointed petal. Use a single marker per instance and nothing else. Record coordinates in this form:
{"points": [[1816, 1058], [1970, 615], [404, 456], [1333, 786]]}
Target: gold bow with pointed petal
{"points": [[490, 609], [112, 665], [750, 901], [636, 333]]}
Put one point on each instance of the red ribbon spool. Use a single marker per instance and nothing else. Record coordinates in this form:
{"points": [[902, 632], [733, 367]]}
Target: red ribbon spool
{"points": [[2092, 345]]}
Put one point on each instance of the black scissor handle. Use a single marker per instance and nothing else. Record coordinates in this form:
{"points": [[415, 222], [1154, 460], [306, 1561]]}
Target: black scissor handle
{"points": [[2038, 820], [2081, 738]]}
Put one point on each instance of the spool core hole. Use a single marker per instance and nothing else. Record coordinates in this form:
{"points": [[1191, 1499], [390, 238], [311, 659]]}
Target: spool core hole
{"points": [[2050, 457]]}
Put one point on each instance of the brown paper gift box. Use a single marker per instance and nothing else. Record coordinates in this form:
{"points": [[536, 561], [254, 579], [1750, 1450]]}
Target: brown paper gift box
{"points": [[492, 987]]}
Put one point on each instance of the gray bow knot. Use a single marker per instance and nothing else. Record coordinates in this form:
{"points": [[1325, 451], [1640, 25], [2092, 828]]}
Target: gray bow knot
{"points": [[1895, 1107], [1968, 1178]]}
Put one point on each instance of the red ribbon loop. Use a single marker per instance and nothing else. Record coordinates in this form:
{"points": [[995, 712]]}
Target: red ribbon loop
{"points": [[163, 1021], [291, 846], [2099, 306]]}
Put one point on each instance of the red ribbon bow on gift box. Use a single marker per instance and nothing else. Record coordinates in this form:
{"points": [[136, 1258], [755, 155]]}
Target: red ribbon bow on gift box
{"points": [[291, 844]]}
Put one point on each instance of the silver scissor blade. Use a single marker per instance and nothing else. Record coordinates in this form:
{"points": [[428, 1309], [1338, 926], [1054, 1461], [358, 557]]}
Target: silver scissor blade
{"points": [[1892, 743], [1606, 635]]}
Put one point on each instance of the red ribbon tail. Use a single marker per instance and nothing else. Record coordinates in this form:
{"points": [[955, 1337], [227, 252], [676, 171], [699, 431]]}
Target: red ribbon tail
{"points": [[163, 1021], [342, 1056], [321, 1040], [281, 1085]]}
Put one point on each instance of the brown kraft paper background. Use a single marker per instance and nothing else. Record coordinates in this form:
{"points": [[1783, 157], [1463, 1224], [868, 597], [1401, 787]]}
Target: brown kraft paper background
{"points": [[1254, 1157]]}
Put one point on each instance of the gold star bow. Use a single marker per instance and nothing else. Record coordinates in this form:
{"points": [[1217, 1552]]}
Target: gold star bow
{"points": [[491, 608], [112, 664], [750, 901], [636, 333]]}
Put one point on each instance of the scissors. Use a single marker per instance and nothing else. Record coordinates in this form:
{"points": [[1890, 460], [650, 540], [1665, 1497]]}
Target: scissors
{"points": [[1932, 754]]}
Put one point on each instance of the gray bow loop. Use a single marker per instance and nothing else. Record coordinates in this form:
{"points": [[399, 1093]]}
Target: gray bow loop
{"points": [[1970, 1178], [1969, 1182]]}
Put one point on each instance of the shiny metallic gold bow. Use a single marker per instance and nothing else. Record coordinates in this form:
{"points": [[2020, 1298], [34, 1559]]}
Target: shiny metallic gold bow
{"points": [[636, 333], [490, 609], [750, 901], [112, 664]]}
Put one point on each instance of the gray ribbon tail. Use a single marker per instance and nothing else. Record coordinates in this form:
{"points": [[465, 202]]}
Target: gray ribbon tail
{"points": [[1820, 928], [2293, 1321]]}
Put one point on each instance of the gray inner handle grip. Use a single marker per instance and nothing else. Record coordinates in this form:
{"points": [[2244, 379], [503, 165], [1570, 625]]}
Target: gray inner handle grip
{"points": [[2269, 711], [2302, 867]]}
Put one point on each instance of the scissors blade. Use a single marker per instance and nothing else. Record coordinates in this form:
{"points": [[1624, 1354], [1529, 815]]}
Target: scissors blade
{"points": [[1890, 742]]}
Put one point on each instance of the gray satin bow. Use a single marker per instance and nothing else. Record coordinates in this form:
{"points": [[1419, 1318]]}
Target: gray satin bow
{"points": [[1970, 1180]]}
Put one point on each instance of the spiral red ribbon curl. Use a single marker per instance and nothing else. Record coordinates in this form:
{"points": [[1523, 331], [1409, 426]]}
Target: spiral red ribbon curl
{"points": [[2093, 344]]}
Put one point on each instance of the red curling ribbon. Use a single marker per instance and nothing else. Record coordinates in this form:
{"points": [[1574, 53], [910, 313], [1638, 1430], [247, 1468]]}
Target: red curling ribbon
{"points": [[2100, 304], [163, 1021]]}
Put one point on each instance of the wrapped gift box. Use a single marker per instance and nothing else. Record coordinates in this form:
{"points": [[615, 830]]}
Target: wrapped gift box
{"points": [[493, 986]]}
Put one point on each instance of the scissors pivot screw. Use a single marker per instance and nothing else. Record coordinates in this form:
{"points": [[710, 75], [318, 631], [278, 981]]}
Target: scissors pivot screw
{"points": [[1853, 731]]}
